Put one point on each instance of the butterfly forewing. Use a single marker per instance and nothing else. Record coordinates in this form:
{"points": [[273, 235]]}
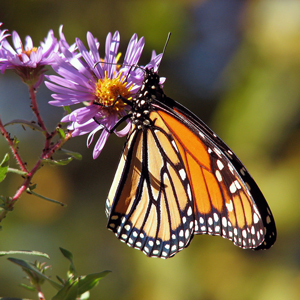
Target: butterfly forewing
{"points": [[176, 178]]}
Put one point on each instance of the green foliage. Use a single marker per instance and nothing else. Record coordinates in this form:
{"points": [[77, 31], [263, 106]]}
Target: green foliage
{"points": [[30, 191], [73, 154], [60, 162], [4, 167], [72, 288], [64, 161]]}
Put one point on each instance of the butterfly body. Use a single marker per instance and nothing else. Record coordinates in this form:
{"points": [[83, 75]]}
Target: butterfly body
{"points": [[176, 178]]}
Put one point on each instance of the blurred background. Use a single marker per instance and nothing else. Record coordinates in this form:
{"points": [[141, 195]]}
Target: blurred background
{"points": [[236, 64]]}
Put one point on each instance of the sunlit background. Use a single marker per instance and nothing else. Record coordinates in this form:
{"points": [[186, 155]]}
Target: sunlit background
{"points": [[236, 64]]}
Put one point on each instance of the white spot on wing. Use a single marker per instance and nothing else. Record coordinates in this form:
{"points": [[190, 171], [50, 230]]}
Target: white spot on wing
{"points": [[174, 145], [187, 233], [182, 174], [230, 168], [218, 175], [232, 188], [229, 206], [237, 184], [216, 217], [189, 192], [220, 165], [218, 152], [255, 218], [202, 135], [224, 222]]}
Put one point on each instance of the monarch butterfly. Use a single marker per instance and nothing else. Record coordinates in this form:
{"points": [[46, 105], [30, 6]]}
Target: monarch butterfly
{"points": [[177, 178]]}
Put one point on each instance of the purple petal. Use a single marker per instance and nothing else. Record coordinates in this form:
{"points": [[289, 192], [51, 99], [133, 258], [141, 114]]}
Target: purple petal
{"points": [[28, 43], [17, 42], [100, 144], [81, 115], [124, 131]]}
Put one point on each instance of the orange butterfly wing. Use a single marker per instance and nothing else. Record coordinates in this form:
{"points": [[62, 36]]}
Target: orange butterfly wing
{"points": [[176, 178]]}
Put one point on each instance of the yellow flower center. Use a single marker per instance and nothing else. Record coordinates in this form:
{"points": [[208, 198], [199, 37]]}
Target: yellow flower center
{"points": [[27, 52], [108, 92]]}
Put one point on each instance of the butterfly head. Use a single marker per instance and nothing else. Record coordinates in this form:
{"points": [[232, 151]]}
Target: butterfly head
{"points": [[142, 103]]}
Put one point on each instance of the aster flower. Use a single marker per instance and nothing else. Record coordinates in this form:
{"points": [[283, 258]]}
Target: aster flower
{"points": [[97, 83], [28, 61]]}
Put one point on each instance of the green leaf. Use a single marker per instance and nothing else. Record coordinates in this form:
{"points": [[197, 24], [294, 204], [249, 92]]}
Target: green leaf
{"points": [[59, 279], [68, 292], [68, 255], [32, 125], [61, 162], [17, 171], [4, 167], [26, 252], [61, 133], [28, 287], [26, 266], [75, 155], [87, 282], [31, 192]]}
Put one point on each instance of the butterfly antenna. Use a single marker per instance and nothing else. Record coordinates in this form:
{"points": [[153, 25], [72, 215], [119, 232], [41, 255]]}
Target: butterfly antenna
{"points": [[165, 47]]}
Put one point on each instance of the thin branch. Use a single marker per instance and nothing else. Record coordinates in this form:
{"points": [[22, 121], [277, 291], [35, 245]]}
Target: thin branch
{"points": [[13, 149], [36, 111], [57, 146]]}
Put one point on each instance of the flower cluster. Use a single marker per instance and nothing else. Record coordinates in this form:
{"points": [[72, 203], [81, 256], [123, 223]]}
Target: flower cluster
{"points": [[28, 61], [102, 85]]}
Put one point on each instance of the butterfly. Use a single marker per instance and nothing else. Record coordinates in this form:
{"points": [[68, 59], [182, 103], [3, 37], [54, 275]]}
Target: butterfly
{"points": [[177, 178]]}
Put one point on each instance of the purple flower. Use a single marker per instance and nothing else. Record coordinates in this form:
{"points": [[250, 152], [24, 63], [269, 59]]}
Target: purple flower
{"points": [[98, 83], [28, 61]]}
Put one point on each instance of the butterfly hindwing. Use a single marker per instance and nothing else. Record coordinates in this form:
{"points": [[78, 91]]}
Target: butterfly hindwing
{"points": [[149, 206]]}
